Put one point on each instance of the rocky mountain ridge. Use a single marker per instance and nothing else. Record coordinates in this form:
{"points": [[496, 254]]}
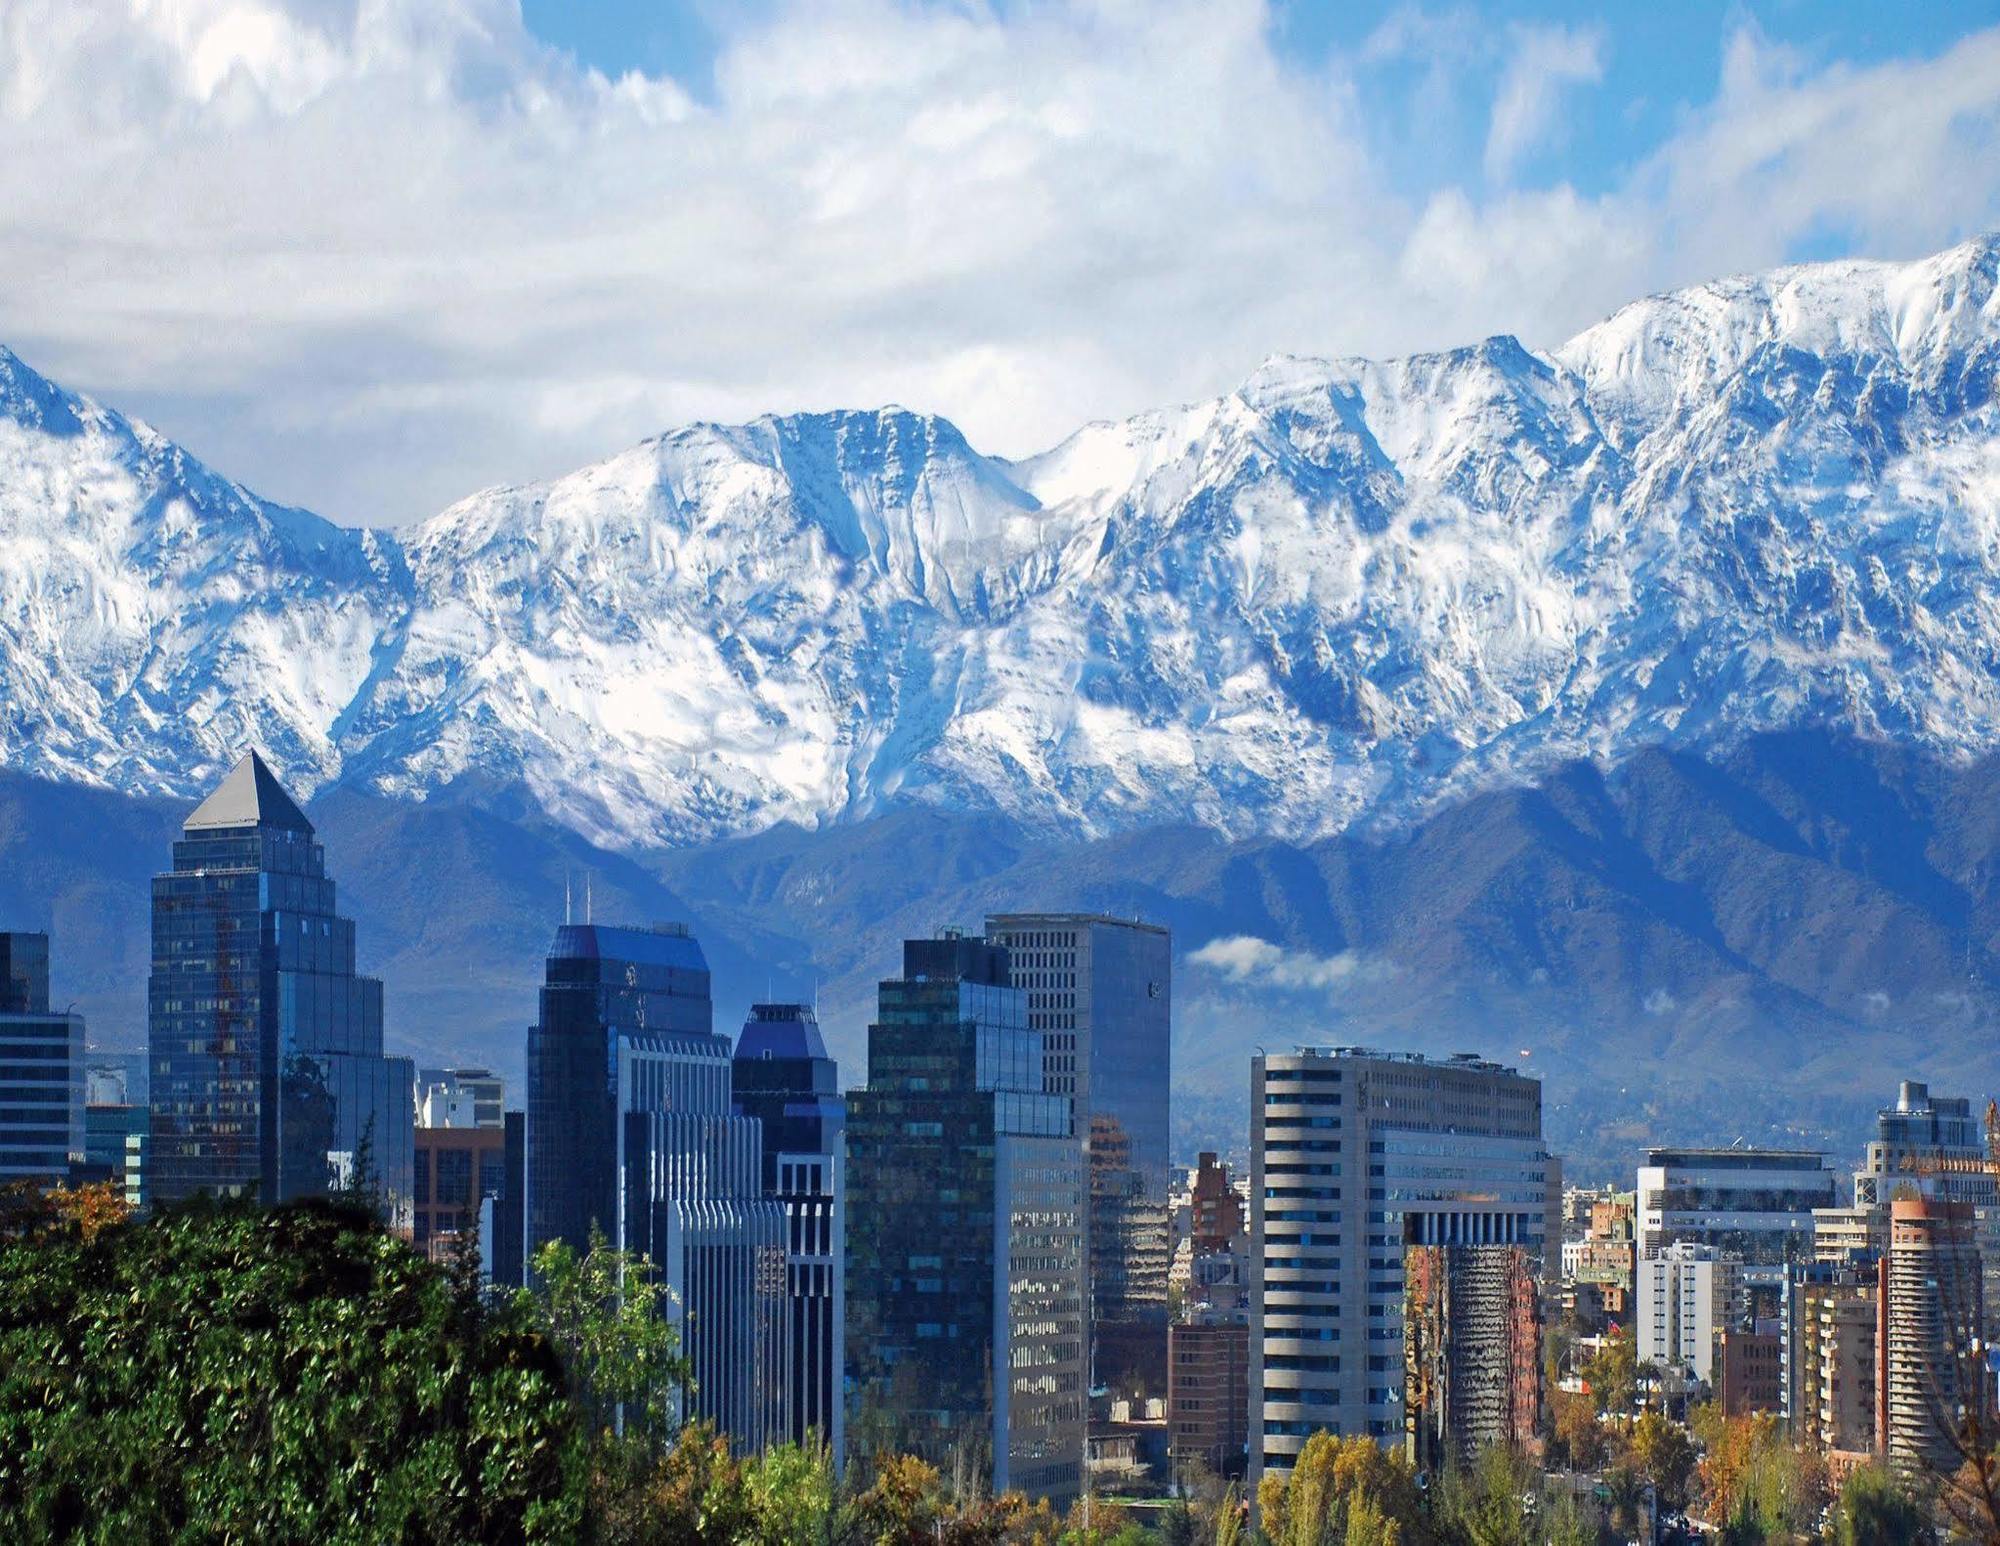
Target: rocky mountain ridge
{"points": [[1338, 598]]}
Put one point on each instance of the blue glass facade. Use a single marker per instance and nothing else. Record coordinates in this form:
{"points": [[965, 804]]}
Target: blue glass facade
{"points": [[782, 1076], [42, 1132], [264, 1044], [1100, 992], [965, 1265]]}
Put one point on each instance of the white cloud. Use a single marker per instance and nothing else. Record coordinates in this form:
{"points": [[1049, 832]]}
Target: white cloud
{"points": [[1544, 61], [371, 254], [1244, 958]]}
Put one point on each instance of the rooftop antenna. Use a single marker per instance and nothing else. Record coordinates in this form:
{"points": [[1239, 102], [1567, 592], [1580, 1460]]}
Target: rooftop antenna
{"points": [[586, 896], [569, 915]]}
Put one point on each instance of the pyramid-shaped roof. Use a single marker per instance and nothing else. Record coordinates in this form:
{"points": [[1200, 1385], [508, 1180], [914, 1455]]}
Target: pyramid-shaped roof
{"points": [[250, 797]]}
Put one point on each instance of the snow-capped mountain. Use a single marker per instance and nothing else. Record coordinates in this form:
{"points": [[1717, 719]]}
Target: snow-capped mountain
{"points": [[1332, 598]]}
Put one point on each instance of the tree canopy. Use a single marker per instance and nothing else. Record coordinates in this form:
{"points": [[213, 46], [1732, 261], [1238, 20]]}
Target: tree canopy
{"points": [[233, 1372]]}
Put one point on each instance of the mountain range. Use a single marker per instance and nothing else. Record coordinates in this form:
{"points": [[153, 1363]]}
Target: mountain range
{"points": [[1629, 707]]}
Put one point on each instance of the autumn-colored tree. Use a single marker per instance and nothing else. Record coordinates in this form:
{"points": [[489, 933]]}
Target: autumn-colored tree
{"points": [[691, 1493], [1095, 1522], [29, 1211], [1754, 1485], [91, 1209], [1316, 1502], [1580, 1439]]}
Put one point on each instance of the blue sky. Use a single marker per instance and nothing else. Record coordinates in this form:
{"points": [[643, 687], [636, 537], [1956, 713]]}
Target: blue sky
{"points": [[1658, 61], [369, 257]]}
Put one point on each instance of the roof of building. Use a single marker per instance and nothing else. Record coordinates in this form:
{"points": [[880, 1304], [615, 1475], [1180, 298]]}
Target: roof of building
{"points": [[250, 796], [999, 922], [781, 1031], [661, 945]]}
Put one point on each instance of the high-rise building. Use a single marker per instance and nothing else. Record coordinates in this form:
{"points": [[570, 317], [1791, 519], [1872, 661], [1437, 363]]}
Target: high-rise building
{"points": [[782, 1076], [42, 1128], [503, 1231], [1208, 1348], [24, 973], [1925, 1145], [1930, 1332], [1208, 1391], [1215, 1207], [107, 1132], [1832, 1399], [965, 1265], [631, 1131], [1100, 990], [267, 1070], [1348, 1147], [1756, 1204], [1472, 1340], [1683, 1295]]}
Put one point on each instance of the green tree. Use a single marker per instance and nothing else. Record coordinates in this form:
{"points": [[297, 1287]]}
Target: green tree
{"points": [[1612, 1373], [794, 1496], [1661, 1452], [603, 1310], [1489, 1505], [233, 1373], [1873, 1510]]}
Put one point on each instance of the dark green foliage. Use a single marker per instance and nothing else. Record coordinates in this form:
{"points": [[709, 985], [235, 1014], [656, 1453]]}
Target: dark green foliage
{"points": [[1874, 1510], [231, 1373]]}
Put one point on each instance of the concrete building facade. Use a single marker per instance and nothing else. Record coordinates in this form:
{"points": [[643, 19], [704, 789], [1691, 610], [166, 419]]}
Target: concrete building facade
{"points": [[1348, 1147]]}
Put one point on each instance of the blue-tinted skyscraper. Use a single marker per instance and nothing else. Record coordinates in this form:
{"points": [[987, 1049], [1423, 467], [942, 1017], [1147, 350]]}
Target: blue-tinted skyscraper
{"points": [[631, 1129], [783, 1077], [265, 1046], [41, 1069], [1100, 990], [965, 1269]]}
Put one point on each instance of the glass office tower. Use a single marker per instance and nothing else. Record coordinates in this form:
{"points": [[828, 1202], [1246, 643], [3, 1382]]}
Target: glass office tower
{"points": [[43, 1129], [265, 1047], [24, 974], [631, 1129], [783, 1077], [965, 1187], [1100, 990]]}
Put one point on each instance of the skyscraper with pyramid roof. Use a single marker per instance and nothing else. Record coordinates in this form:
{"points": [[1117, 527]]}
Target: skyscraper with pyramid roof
{"points": [[268, 1076]]}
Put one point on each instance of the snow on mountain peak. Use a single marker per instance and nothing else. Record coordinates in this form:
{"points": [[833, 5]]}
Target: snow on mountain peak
{"points": [[1338, 594]]}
